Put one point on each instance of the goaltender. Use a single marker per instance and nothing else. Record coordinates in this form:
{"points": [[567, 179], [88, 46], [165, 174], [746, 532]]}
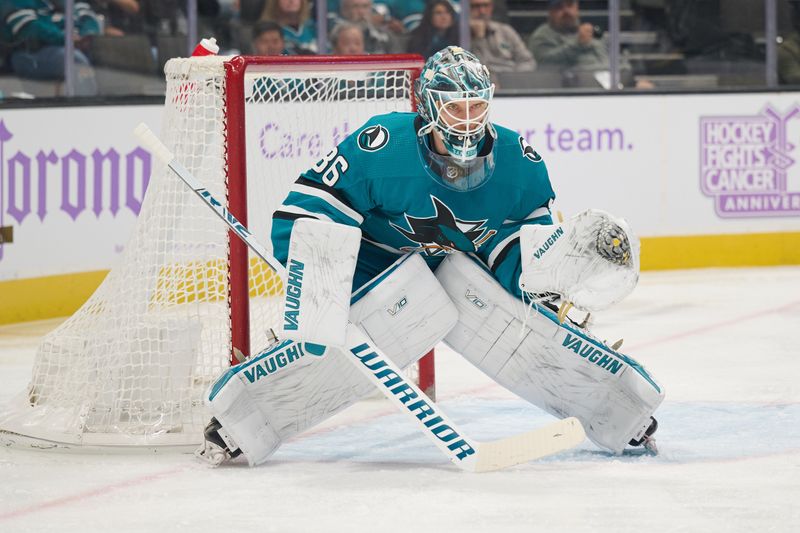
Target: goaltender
{"points": [[457, 245]]}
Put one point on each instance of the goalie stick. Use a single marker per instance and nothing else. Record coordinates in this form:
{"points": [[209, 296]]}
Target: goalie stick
{"points": [[466, 453]]}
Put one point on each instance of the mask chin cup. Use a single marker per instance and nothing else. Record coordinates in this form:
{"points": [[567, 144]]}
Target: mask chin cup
{"points": [[456, 173], [463, 151]]}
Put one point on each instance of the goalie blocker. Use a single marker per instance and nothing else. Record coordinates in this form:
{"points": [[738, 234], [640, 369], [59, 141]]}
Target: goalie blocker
{"points": [[556, 366]]}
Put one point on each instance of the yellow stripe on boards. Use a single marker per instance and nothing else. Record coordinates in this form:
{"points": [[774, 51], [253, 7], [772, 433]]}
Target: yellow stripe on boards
{"points": [[47, 297], [207, 281], [703, 251], [57, 296]]}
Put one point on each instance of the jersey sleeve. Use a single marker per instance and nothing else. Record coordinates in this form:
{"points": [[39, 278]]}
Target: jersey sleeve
{"points": [[86, 20], [23, 23], [504, 261], [502, 253], [333, 189]]}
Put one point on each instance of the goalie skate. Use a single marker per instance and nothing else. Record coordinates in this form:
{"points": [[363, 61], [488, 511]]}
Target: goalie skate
{"points": [[647, 441], [218, 447]]}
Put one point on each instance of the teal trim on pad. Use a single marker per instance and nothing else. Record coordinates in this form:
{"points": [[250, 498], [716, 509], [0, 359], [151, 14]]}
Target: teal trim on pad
{"points": [[552, 316], [627, 360], [232, 371]]}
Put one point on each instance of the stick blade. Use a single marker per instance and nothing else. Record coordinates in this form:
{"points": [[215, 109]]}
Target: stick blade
{"points": [[548, 440]]}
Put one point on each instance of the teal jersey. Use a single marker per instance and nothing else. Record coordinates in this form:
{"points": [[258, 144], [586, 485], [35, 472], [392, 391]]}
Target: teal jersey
{"points": [[405, 8], [40, 23], [377, 179], [304, 37]]}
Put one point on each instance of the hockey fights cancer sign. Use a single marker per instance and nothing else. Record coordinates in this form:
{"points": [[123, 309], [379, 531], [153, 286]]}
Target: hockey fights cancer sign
{"points": [[745, 162]]}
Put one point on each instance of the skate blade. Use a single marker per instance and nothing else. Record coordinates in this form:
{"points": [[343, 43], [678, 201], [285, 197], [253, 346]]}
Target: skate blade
{"points": [[648, 448], [211, 454], [650, 445]]}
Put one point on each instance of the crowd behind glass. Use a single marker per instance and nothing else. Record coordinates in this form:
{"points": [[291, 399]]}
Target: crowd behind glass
{"points": [[119, 47]]}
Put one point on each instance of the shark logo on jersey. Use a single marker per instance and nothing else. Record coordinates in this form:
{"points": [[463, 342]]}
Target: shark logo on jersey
{"points": [[373, 138], [528, 151], [444, 233]]}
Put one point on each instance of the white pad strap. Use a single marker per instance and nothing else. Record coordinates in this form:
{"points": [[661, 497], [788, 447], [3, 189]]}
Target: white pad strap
{"points": [[319, 279], [558, 367], [591, 260]]}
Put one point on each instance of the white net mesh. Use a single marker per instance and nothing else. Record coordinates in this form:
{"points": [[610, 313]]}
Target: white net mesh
{"points": [[132, 365]]}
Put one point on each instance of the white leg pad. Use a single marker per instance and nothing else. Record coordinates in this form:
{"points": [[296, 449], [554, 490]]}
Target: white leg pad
{"points": [[319, 277], [558, 367], [404, 311], [233, 399]]}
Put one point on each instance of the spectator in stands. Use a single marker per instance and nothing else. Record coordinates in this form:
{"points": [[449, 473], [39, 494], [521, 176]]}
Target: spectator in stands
{"points": [[35, 31], [500, 11], [789, 51], [360, 12], [268, 39], [401, 15], [496, 44], [437, 29], [347, 39], [565, 42], [294, 17], [407, 14]]}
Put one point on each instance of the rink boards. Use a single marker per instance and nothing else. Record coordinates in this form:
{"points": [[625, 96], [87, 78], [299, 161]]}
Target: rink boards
{"points": [[705, 180]]}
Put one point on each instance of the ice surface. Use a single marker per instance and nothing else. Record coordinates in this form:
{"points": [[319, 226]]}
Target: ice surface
{"points": [[722, 342]]}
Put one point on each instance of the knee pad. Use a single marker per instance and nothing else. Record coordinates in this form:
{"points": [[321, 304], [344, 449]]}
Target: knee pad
{"points": [[558, 367], [404, 311]]}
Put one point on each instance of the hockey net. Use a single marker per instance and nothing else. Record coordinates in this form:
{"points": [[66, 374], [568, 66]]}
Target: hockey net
{"points": [[130, 368]]}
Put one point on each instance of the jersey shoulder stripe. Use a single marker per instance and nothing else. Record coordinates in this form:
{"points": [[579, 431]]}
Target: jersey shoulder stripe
{"points": [[329, 195], [536, 213], [287, 215]]}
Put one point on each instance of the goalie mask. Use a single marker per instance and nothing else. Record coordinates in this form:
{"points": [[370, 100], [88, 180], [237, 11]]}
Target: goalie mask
{"points": [[453, 95]]}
